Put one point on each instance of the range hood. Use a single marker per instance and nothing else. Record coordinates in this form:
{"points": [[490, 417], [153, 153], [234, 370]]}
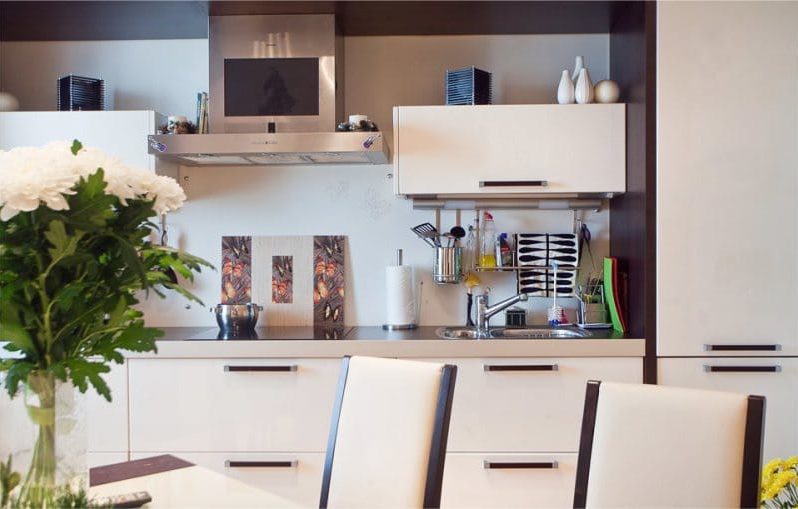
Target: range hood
{"points": [[276, 96], [239, 149]]}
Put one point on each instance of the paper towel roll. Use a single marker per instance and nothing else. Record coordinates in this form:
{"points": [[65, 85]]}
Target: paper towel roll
{"points": [[400, 302]]}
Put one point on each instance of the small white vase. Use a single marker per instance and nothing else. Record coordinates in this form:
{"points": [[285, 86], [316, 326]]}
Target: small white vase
{"points": [[584, 88], [565, 91], [578, 66]]}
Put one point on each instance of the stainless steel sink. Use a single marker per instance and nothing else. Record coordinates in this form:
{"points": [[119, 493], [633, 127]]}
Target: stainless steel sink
{"points": [[458, 333], [505, 333], [540, 333]]}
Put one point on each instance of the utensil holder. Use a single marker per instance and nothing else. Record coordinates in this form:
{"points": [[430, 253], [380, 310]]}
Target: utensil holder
{"points": [[447, 266]]}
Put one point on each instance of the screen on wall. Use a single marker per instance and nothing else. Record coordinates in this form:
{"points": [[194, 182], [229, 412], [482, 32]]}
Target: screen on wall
{"points": [[255, 87]]}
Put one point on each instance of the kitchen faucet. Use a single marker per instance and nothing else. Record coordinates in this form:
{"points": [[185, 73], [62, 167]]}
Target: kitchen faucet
{"points": [[484, 311]]}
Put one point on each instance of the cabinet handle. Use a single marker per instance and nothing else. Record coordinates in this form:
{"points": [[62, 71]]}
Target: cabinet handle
{"points": [[499, 465], [287, 367], [742, 348], [260, 464], [520, 367], [742, 369], [513, 183]]}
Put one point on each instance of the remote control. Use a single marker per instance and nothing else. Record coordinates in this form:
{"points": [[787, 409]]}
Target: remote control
{"points": [[136, 499]]}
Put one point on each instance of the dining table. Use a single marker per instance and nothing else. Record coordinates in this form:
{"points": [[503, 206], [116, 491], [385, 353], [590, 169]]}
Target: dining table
{"points": [[172, 482]]}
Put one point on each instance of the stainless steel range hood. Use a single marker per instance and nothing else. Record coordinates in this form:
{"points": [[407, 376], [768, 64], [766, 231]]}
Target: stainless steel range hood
{"points": [[238, 149], [263, 109]]}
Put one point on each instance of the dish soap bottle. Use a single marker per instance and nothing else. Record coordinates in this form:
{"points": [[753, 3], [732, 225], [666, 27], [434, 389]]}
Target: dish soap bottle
{"points": [[487, 247]]}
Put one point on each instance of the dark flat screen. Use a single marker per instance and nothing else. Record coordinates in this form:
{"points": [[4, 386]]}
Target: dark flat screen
{"points": [[255, 87]]}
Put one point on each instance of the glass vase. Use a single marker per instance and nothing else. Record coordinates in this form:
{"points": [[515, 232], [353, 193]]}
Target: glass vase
{"points": [[58, 458]]}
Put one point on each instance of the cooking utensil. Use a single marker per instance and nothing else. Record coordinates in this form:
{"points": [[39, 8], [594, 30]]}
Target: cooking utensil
{"points": [[427, 233], [529, 242], [458, 232], [236, 317]]}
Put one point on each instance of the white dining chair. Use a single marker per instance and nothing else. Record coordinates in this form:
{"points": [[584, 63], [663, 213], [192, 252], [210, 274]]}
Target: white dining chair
{"points": [[654, 446], [388, 434]]}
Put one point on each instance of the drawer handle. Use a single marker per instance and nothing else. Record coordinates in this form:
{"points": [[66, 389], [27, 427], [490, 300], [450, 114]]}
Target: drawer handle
{"points": [[742, 369], [520, 367], [260, 464], [499, 465], [513, 183], [742, 348], [288, 367]]}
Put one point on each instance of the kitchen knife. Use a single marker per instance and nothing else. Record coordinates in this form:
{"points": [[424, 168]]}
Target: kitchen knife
{"points": [[532, 258]]}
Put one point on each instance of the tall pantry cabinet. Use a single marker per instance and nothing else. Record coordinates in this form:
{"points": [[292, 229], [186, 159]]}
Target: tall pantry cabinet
{"points": [[727, 204]]}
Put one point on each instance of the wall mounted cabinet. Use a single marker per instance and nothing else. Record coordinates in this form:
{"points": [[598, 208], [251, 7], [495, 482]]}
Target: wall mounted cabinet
{"points": [[120, 133], [543, 150]]}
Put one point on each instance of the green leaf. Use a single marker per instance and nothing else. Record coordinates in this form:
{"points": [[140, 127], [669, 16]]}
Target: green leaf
{"points": [[17, 336], [83, 372], [76, 146]]}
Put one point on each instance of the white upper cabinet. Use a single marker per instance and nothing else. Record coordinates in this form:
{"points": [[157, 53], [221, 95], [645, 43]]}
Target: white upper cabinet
{"points": [[727, 177], [122, 134], [535, 149]]}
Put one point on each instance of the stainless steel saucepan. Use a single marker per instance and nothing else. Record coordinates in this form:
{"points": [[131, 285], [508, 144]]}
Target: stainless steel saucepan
{"points": [[237, 317]]}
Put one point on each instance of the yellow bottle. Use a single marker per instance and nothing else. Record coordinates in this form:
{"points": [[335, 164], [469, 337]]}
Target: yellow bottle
{"points": [[487, 248]]}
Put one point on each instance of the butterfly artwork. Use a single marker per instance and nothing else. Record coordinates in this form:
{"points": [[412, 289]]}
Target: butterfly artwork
{"points": [[236, 270], [328, 279], [282, 279]]}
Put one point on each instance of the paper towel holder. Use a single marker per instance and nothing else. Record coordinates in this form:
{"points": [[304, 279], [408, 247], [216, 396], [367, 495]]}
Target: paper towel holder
{"points": [[404, 326]]}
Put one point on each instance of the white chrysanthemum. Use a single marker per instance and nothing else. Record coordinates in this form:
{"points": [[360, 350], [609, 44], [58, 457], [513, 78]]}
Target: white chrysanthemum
{"points": [[30, 176]]}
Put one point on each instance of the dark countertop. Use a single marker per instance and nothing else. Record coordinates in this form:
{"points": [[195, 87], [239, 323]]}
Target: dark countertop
{"points": [[370, 333]]}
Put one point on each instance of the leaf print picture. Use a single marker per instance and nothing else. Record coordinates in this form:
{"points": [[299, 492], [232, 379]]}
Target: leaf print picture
{"points": [[328, 279], [282, 279], [236, 270]]}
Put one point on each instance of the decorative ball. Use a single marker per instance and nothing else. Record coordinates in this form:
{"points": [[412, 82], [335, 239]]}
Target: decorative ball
{"points": [[607, 91], [8, 102]]}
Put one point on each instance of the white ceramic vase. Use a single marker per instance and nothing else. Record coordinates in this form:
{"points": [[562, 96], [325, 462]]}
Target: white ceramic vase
{"points": [[578, 66], [584, 88], [565, 91]]}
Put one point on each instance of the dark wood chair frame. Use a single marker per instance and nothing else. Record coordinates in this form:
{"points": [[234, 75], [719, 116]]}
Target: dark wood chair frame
{"points": [[752, 448], [440, 435]]}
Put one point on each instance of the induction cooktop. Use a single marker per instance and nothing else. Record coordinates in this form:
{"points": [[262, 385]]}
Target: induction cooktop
{"points": [[273, 333]]}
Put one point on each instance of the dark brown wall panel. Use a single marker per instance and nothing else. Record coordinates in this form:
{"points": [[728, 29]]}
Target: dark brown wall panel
{"points": [[632, 216], [102, 21]]}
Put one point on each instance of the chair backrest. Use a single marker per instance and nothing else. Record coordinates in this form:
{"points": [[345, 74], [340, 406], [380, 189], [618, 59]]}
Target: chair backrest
{"points": [[388, 434], [656, 446]]}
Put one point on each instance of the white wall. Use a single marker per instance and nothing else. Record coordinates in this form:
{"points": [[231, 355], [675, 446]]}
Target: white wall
{"points": [[160, 75], [353, 201]]}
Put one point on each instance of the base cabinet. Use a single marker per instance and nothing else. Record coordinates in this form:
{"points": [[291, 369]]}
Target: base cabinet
{"points": [[508, 480], [778, 386], [513, 437], [294, 476]]}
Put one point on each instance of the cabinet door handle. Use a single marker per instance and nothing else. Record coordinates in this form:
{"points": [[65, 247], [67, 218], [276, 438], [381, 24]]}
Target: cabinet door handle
{"points": [[742, 369], [260, 464], [283, 368], [520, 367], [500, 465], [513, 183], [742, 348]]}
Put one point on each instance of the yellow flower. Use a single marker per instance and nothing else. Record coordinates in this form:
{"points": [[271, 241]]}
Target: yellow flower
{"points": [[790, 462], [772, 466]]}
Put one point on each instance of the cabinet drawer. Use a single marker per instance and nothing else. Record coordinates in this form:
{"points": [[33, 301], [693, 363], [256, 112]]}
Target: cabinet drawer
{"points": [[778, 386], [527, 405], [231, 405], [508, 480], [296, 476]]}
